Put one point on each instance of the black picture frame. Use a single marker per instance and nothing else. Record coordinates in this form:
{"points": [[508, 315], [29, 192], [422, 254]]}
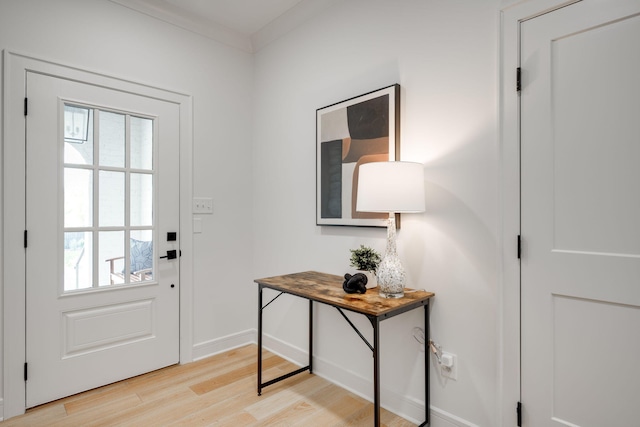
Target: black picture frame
{"points": [[362, 129]]}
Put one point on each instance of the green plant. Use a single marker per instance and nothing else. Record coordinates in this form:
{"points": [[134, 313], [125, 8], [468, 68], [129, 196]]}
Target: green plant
{"points": [[364, 258]]}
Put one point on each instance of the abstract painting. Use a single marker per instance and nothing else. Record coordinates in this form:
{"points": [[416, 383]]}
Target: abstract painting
{"points": [[348, 134]]}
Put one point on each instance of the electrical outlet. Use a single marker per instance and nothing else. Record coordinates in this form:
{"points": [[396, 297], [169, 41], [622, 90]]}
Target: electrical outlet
{"points": [[449, 365]]}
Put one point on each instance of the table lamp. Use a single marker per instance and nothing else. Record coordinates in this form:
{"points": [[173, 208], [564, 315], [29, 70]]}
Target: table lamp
{"points": [[391, 187]]}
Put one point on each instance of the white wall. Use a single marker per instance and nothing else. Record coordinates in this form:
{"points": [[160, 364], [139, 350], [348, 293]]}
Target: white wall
{"points": [[444, 54], [102, 36]]}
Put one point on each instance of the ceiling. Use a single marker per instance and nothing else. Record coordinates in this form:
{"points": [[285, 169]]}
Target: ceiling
{"points": [[244, 24]]}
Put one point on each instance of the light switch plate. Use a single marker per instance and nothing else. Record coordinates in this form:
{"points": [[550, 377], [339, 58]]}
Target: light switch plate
{"points": [[202, 205]]}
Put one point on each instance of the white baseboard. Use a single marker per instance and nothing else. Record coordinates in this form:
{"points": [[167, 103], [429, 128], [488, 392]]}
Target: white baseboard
{"points": [[440, 418], [285, 350], [220, 345], [408, 407]]}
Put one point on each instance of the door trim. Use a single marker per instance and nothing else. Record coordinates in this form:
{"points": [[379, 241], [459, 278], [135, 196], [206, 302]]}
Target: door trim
{"points": [[12, 281], [509, 354]]}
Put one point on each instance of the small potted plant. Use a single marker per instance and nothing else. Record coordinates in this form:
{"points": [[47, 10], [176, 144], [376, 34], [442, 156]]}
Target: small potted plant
{"points": [[366, 260]]}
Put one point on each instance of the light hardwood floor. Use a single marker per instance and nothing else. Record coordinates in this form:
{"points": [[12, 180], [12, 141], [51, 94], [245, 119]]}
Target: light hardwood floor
{"points": [[217, 391]]}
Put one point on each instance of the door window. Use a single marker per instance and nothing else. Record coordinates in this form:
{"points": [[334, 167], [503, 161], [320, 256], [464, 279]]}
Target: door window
{"points": [[108, 198]]}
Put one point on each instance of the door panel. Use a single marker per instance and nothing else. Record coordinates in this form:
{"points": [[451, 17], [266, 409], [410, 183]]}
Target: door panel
{"points": [[95, 329], [580, 189], [102, 192]]}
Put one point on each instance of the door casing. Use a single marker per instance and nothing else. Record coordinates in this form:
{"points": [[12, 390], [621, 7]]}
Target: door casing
{"points": [[509, 341], [13, 214]]}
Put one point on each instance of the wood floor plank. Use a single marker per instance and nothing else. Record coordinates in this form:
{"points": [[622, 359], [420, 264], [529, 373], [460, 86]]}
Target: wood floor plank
{"points": [[40, 417], [218, 391], [187, 374], [235, 420], [272, 403], [231, 376], [114, 396], [149, 413], [233, 398], [290, 415], [335, 405]]}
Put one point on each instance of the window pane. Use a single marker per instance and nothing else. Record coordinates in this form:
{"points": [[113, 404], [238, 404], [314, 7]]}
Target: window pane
{"points": [[78, 135], [141, 143], [111, 257], [111, 199], [141, 251], [141, 199], [112, 134], [123, 199], [78, 260], [78, 197]]}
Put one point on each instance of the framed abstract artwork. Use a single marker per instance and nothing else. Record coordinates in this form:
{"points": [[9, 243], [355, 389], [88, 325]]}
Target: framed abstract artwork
{"points": [[348, 134]]}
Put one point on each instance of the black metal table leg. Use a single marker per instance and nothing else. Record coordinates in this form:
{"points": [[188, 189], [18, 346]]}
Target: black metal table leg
{"points": [[426, 366], [310, 336], [376, 371], [261, 309], [259, 340]]}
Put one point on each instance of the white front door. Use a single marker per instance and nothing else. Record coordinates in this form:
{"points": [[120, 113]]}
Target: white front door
{"points": [[580, 189], [102, 197]]}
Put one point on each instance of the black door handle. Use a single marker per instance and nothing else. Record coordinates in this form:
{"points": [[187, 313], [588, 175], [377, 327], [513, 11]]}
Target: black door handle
{"points": [[172, 254]]}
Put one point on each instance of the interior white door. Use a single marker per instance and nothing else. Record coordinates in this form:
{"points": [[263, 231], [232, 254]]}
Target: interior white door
{"points": [[102, 196], [580, 189]]}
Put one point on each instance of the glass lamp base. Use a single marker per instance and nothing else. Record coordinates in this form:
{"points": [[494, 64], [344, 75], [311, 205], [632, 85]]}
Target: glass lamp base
{"points": [[390, 294], [391, 274]]}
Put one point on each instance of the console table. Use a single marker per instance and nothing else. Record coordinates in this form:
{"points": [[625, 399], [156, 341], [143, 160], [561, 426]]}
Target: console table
{"points": [[327, 289]]}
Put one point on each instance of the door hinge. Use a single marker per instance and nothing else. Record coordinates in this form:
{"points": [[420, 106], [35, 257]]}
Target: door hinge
{"points": [[25, 106], [25, 371], [518, 79], [519, 414], [25, 238], [519, 246]]}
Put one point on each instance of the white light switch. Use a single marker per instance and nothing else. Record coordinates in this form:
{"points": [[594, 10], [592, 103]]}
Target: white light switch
{"points": [[202, 205], [197, 225]]}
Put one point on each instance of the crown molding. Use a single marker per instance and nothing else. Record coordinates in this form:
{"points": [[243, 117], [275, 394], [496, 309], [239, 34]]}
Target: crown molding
{"points": [[290, 20], [283, 24], [173, 15]]}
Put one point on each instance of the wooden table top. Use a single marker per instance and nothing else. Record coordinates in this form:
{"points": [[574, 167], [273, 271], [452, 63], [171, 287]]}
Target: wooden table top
{"points": [[327, 289]]}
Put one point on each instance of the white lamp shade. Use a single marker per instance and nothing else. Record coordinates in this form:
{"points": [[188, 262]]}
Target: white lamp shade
{"points": [[391, 187]]}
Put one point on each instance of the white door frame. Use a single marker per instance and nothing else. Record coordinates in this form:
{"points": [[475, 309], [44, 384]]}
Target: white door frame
{"points": [[509, 371], [12, 281]]}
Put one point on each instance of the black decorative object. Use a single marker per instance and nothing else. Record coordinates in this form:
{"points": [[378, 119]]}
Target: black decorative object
{"points": [[356, 284]]}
